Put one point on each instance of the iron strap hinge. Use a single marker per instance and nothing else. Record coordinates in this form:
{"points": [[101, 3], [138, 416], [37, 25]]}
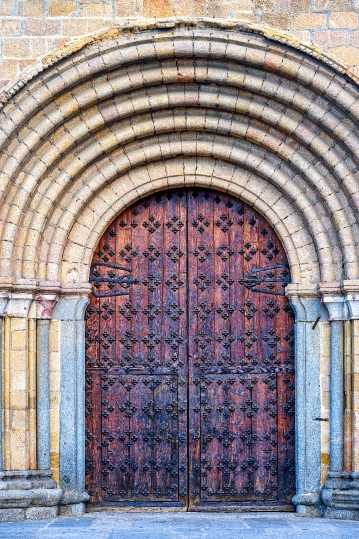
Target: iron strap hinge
{"points": [[115, 282], [255, 279]]}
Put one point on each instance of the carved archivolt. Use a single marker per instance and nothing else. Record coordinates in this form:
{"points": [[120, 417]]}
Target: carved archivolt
{"points": [[137, 109]]}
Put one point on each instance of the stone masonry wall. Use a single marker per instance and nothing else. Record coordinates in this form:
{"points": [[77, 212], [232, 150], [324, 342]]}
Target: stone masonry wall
{"points": [[30, 29]]}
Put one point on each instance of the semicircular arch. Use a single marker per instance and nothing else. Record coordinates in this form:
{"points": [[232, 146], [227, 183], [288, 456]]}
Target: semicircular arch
{"points": [[114, 119]]}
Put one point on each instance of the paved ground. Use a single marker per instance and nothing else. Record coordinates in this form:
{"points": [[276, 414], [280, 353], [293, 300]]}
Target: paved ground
{"points": [[182, 526]]}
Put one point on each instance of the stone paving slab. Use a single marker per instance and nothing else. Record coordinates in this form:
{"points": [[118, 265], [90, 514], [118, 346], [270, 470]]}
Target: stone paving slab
{"points": [[182, 526]]}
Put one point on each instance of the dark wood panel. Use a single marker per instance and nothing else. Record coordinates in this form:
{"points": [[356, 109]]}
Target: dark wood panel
{"points": [[190, 372], [136, 362]]}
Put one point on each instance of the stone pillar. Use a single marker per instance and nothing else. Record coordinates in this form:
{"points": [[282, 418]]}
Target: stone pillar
{"points": [[309, 317], [340, 492], [4, 297], [70, 313], [336, 396]]}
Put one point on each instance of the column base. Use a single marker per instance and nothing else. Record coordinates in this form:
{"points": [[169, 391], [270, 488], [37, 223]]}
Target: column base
{"points": [[28, 495], [308, 504], [73, 510], [73, 503], [340, 495]]}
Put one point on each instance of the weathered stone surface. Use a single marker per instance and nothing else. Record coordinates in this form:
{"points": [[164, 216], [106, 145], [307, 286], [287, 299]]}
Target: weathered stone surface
{"points": [[307, 498], [73, 498], [72, 510], [12, 515], [46, 497], [15, 498], [41, 513]]}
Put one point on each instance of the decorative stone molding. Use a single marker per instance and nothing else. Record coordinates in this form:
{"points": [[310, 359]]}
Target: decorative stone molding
{"points": [[341, 299], [129, 26], [28, 495], [307, 498], [43, 306], [340, 495], [305, 290], [26, 305], [168, 131], [18, 305], [308, 504]]}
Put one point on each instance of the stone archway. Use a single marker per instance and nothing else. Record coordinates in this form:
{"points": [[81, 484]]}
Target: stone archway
{"points": [[141, 108]]}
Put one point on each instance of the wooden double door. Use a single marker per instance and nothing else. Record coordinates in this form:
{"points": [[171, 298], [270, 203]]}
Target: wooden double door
{"points": [[189, 358]]}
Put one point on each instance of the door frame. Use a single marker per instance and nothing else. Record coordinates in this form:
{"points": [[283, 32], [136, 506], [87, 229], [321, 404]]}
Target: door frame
{"points": [[307, 306]]}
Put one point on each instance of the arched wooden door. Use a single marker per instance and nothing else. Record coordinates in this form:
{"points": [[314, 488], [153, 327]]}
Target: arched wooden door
{"points": [[189, 358]]}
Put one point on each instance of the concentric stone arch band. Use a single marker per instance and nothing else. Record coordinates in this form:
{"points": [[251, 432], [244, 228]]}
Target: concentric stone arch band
{"points": [[151, 105], [119, 105]]}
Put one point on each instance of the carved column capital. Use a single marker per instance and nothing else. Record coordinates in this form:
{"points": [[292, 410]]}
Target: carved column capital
{"points": [[336, 307], [351, 290], [341, 299], [305, 301], [18, 305], [27, 305], [43, 306]]}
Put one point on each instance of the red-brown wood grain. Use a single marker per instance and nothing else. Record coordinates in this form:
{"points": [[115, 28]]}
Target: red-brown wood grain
{"points": [[190, 375]]}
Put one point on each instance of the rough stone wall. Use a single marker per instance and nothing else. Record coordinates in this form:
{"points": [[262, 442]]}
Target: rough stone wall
{"points": [[30, 29]]}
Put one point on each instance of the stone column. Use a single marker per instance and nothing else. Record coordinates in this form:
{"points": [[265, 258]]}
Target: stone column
{"points": [[336, 396], [340, 492], [309, 317], [70, 313], [43, 305], [4, 298]]}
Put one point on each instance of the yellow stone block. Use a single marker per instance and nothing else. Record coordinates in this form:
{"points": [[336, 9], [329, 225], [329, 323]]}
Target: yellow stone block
{"points": [[343, 19], [18, 340], [61, 9], [309, 21], [17, 361], [19, 454], [18, 420], [18, 382], [356, 383], [17, 324]]}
